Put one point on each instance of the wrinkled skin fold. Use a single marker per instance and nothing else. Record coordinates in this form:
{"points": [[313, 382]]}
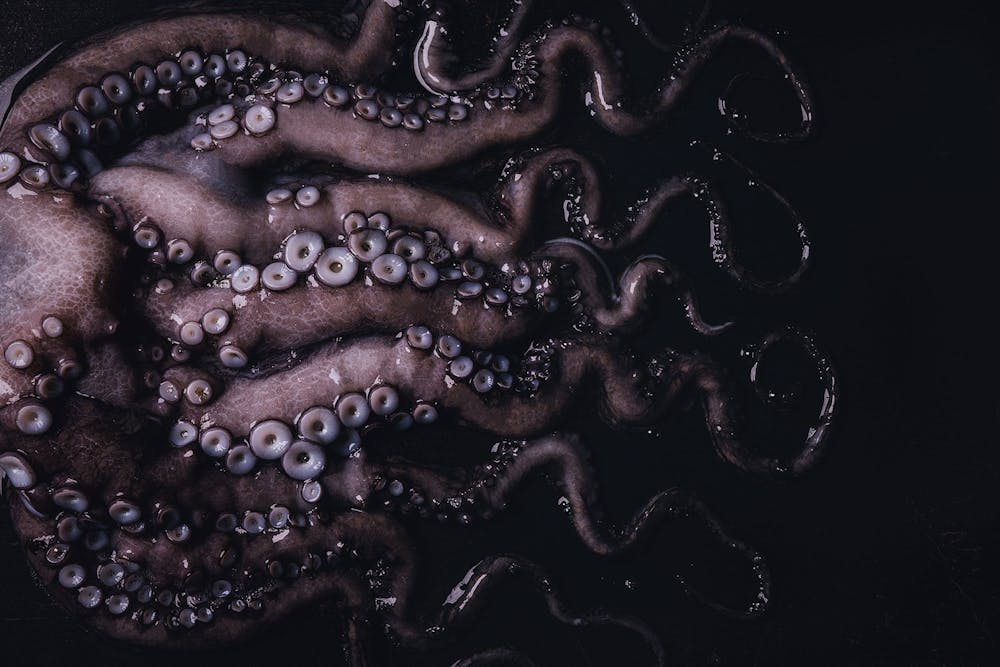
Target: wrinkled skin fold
{"points": [[226, 274]]}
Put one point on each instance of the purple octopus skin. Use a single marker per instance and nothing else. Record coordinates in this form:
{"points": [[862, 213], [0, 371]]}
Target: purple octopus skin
{"points": [[194, 363]]}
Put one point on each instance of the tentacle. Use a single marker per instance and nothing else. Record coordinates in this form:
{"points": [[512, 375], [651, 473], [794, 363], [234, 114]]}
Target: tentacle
{"points": [[157, 558], [264, 325], [567, 369], [564, 455], [434, 60], [311, 127], [720, 238], [723, 251], [376, 539], [531, 178], [704, 376], [305, 46], [623, 307], [605, 85], [585, 214], [368, 54], [186, 613], [491, 575], [148, 193]]}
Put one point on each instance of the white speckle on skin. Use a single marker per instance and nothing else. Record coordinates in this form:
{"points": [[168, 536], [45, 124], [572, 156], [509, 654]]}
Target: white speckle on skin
{"points": [[335, 376], [7, 390], [188, 454], [174, 317], [280, 536], [17, 191], [239, 301]]}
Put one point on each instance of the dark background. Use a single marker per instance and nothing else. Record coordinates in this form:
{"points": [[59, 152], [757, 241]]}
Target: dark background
{"points": [[887, 554]]}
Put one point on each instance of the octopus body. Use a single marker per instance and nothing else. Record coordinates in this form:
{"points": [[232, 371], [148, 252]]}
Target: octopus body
{"points": [[231, 272]]}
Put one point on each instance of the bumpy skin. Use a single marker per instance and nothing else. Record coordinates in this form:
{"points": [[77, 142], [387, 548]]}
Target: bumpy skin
{"points": [[202, 329]]}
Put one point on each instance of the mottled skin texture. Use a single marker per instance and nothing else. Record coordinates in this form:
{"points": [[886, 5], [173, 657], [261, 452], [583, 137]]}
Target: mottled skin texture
{"points": [[71, 254], [69, 270]]}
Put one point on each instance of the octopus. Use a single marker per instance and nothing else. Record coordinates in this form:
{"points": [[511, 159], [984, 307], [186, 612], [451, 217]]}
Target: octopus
{"points": [[241, 265]]}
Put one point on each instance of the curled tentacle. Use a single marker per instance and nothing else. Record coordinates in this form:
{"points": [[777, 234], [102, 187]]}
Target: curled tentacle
{"points": [[623, 307], [563, 455], [491, 574], [375, 538], [605, 87], [819, 432], [520, 193], [434, 60], [584, 211], [705, 377], [724, 252]]}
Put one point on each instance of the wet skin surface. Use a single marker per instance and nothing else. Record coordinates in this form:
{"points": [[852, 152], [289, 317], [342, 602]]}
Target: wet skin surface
{"points": [[266, 336]]}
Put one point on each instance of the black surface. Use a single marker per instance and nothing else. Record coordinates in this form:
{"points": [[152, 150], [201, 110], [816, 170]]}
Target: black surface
{"points": [[887, 554]]}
